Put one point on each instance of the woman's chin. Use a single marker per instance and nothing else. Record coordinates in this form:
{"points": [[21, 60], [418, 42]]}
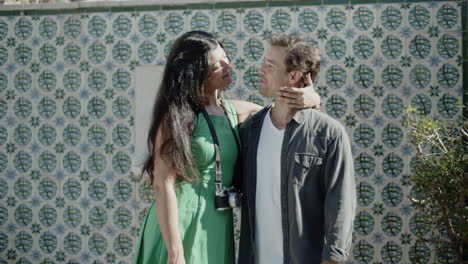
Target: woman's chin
{"points": [[226, 83]]}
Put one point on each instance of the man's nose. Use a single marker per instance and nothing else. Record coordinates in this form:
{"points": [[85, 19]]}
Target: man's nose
{"points": [[262, 69]]}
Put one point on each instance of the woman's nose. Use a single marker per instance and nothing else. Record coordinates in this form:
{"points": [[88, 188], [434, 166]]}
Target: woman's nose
{"points": [[226, 64]]}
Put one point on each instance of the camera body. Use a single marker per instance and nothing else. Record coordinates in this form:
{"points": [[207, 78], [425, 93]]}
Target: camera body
{"points": [[227, 198]]}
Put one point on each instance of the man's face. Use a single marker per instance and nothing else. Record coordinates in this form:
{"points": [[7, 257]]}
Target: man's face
{"points": [[273, 74]]}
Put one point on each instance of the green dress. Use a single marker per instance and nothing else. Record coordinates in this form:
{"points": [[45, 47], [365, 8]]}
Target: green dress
{"points": [[207, 234]]}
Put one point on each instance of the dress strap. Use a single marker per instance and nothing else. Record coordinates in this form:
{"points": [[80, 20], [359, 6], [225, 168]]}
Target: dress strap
{"points": [[230, 111]]}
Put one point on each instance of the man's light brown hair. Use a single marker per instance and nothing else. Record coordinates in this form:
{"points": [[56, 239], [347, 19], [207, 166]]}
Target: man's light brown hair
{"points": [[300, 55]]}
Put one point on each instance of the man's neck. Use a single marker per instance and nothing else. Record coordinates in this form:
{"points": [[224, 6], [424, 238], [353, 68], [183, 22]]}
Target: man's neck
{"points": [[281, 114]]}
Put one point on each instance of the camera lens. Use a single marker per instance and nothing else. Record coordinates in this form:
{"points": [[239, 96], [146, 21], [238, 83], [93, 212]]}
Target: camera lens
{"points": [[233, 200]]}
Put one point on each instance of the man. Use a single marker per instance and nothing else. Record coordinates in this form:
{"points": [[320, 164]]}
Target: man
{"points": [[298, 177]]}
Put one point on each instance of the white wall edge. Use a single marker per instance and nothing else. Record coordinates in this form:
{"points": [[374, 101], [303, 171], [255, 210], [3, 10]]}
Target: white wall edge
{"points": [[109, 4]]}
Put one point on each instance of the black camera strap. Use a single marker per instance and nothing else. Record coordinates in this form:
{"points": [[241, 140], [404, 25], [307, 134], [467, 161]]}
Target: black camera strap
{"points": [[218, 172]]}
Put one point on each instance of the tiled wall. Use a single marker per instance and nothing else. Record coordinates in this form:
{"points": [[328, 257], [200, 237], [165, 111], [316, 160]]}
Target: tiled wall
{"points": [[67, 194]]}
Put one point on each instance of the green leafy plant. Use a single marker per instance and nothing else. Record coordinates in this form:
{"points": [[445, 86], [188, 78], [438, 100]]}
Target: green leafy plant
{"points": [[440, 178]]}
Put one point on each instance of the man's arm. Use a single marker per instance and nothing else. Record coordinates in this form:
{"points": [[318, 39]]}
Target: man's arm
{"points": [[340, 200]]}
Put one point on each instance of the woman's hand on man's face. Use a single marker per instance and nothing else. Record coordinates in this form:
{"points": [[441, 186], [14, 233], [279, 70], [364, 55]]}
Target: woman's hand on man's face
{"points": [[300, 98]]}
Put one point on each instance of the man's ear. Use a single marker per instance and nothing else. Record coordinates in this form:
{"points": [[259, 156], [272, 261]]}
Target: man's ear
{"points": [[295, 78]]}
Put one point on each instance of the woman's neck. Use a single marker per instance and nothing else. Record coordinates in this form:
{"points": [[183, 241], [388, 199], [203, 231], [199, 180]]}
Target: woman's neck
{"points": [[211, 99], [212, 104]]}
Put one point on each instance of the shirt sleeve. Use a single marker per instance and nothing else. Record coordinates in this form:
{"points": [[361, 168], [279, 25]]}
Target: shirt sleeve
{"points": [[340, 199]]}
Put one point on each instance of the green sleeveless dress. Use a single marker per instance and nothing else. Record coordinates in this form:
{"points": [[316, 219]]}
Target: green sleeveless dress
{"points": [[207, 234]]}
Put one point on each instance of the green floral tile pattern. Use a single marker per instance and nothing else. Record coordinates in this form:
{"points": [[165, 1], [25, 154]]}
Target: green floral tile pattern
{"points": [[66, 116]]}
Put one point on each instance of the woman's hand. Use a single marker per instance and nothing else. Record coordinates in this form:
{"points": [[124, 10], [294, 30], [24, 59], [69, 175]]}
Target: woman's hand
{"points": [[176, 257], [167, 213], [301, 98]]}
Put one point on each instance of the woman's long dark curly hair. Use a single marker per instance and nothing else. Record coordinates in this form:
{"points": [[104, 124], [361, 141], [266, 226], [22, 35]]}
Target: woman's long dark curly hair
{"points": [[179, 99]]}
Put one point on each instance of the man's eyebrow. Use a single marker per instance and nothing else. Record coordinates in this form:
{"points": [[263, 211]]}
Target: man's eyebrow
{"points": [[272, 61]]}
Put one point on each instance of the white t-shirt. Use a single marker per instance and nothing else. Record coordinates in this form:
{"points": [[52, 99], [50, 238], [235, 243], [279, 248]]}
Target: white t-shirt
{"points": [[268, 229]]}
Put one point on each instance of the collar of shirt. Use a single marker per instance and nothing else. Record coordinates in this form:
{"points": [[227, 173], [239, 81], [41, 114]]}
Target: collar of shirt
{"points": [[300, 117]]}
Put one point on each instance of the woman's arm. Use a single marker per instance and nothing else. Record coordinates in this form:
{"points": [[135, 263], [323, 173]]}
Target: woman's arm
{"points": [[244, 109], [298, 98], [166, 205]]}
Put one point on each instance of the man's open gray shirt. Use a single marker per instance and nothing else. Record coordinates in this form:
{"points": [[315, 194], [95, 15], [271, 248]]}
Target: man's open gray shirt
{"points": [[318, 195]]}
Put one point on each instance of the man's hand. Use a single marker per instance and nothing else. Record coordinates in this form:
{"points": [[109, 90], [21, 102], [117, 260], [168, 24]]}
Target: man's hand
{"points": [[301, 98]]}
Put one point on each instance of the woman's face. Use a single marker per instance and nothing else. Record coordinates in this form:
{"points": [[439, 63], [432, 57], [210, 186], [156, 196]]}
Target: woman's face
{"points": [[220, 74]]}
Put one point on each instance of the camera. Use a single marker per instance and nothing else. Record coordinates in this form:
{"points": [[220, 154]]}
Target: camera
{"points": [[227, 198]]}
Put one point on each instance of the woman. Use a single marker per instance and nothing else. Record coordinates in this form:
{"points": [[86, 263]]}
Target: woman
{"points": [[183, 225]]}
